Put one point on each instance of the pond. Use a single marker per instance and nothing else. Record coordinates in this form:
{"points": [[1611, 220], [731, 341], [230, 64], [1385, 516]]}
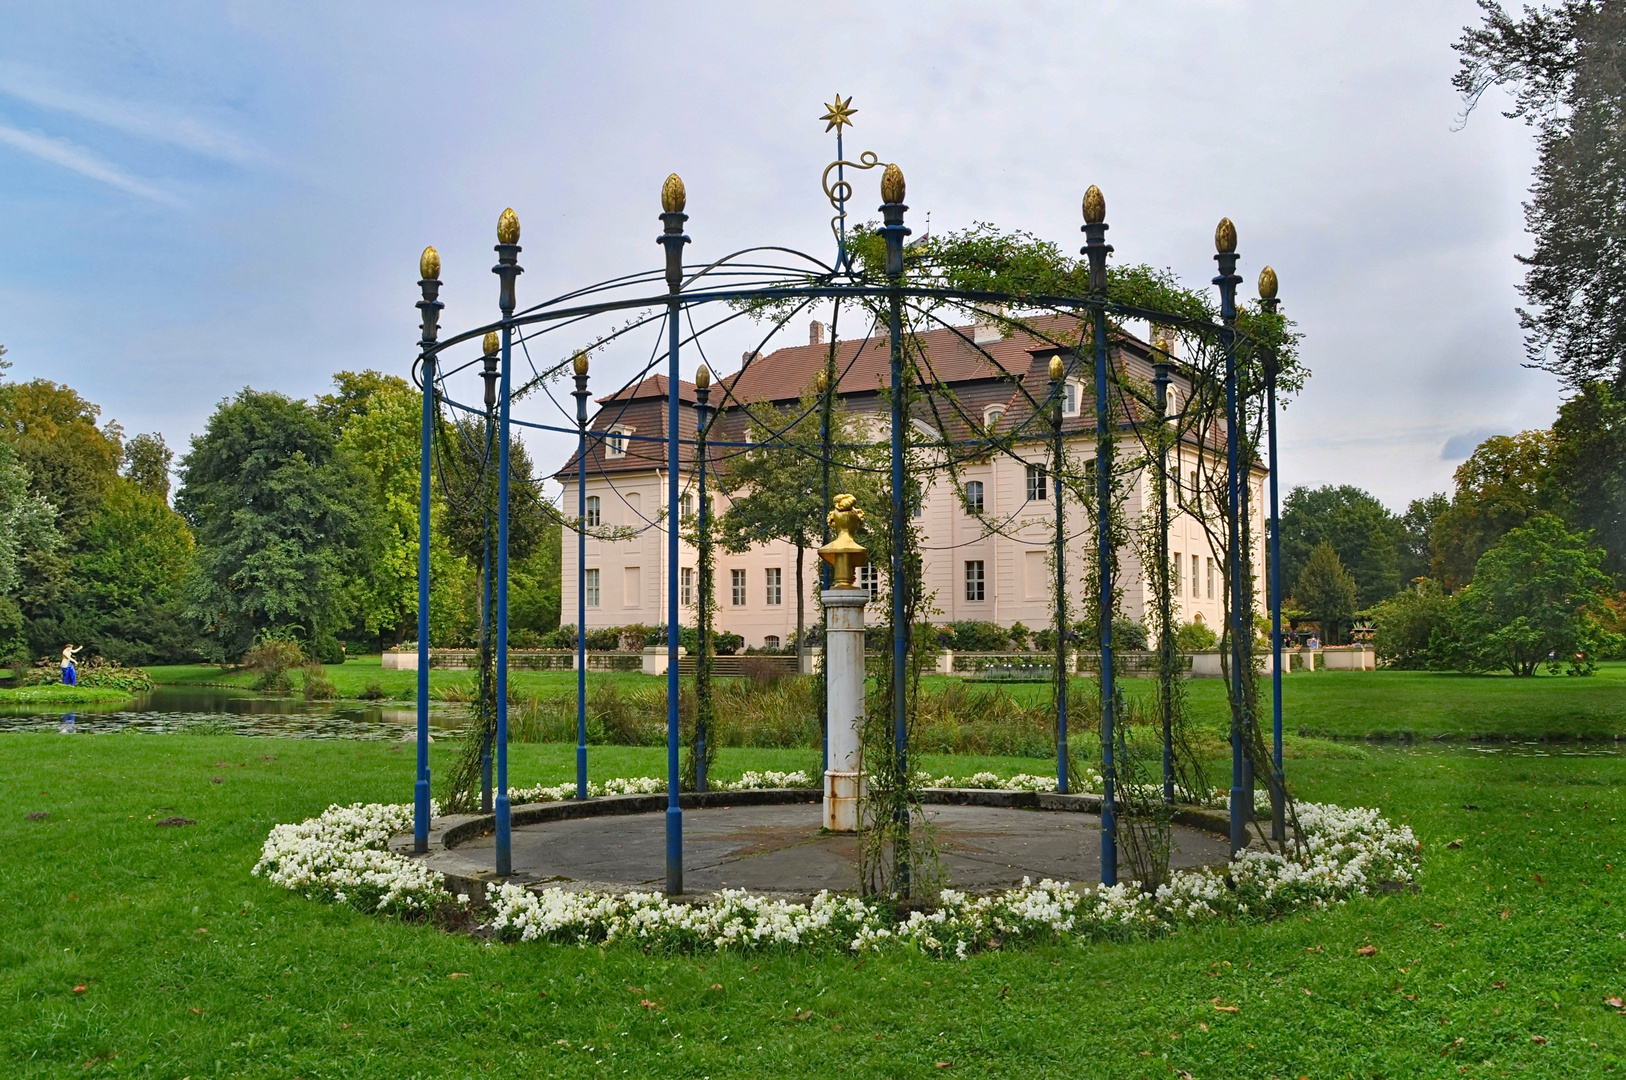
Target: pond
{"points": [[221, 711]]}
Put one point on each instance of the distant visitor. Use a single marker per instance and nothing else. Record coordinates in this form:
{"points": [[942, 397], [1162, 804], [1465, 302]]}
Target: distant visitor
{"points": [[70, 674]]}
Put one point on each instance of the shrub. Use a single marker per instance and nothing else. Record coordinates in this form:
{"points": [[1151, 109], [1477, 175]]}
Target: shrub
{"points": [[374, 692], [271, 661], [98, 672], [316, 685], [1406, 624], [1195, 637], [978, 636], [328, 649]]}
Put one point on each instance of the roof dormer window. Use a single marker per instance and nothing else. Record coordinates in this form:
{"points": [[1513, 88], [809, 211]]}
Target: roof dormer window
{"points": [[615, 444], [992, 415]]}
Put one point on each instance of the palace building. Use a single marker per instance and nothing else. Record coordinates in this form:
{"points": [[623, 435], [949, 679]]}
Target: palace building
{"points": [[993, 566]]}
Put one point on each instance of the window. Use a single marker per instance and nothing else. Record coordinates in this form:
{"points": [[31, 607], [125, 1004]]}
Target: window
{"points": [[992, 415], [1175, 580], [591, 589], [1194, 593], [1175, 476], [771, 641], [775, 593], [973, 579], [592, 514], [686, 586], [1071, 400], [916, 499], [1211, 579], [870, 580], [736, 590], [616, 444], [973, 496], [686, 506], [632, 593], [1038, 483]]}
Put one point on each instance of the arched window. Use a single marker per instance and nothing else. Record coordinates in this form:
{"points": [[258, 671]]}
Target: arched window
{"points": [[973, 496], [616, 445], [992, 415], [592, 511]]}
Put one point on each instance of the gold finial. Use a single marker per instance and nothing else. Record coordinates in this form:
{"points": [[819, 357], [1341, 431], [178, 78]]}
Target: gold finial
{"points": [[1225, 237], [1095, 206], [508, 227], [490, 342], [579, 363], [1056, 368], [844, 554], [429, 264], [702, 377], [839, 114], [1267, 284], [673, 197], [892, 185]]}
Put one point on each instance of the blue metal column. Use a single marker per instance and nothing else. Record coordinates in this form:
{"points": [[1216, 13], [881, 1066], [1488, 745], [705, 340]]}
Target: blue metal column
{"points": [[1097, 249], [581, 574], [1278, 790], [673, 200], [430, 306], [893, 232], [1225, 243], [507, 269], [1057, 374]]}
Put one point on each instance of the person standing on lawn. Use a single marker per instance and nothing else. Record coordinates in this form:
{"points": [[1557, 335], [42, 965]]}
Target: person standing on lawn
{"points": [[70, 673]]}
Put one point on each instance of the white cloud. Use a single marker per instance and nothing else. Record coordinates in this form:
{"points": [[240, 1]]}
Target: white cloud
{"points": [[147, 121], [77, 159]]}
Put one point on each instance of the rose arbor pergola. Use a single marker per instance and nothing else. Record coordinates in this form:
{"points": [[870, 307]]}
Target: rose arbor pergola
{"points": [[772, 284]]}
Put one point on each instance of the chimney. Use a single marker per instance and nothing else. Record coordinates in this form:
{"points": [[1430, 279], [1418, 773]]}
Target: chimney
{"points": [[987, 327], [815, 333]]}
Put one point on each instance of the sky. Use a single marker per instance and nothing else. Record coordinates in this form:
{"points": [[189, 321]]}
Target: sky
{"points": [[198, 197]]}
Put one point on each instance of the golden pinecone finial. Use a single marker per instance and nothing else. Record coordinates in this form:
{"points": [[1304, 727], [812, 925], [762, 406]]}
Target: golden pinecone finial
{"points": [[1267, 284], [508, 227], [579, 363], [490, 343], [429, 264], [1095, 206], [1225, 237], [1057, 368], [673, 197], [702, 377], [892, 186]]}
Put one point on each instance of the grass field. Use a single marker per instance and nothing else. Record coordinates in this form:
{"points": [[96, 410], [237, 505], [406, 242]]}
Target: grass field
{"points": [[191, 967], [1347, 704], [57, 694]]}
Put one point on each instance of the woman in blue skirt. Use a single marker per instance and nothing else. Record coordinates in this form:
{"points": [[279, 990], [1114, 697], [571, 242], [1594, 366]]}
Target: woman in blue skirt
{"points": [[70, 674]]}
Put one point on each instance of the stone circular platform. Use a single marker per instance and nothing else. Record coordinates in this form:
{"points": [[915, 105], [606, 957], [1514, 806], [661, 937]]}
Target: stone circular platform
{"points": [[771, 842]]}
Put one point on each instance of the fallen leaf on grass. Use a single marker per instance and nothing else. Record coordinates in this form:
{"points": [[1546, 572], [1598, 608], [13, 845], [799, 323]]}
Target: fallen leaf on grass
{"points": [[635, 989], [458, 975], [1539, 1040], [80, 989], [217, 779], [1454, 845], [1201, 1026], [808, 1015], [1307, 992], [716, 986], [38, 815], [1450, 1046], [1313, 949], [1506, 914], [652, 1005], [1615, 1003], [1367, 950], [1231, 1008], [835, 1027], [943, 1065], [195, 1012], [1499, 985]]}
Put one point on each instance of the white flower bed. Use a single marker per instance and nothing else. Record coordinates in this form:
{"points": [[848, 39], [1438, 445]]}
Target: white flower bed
{"points": [[341, 857]]}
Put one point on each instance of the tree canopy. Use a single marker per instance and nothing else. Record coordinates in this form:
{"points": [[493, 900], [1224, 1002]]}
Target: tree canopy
{"points": [[1534, 600], [1325, 591], [1505, 481], [1361, 531], [1565, 66], [280, 520]]}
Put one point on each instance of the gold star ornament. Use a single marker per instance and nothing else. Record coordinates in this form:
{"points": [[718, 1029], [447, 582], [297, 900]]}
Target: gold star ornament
{"points": [[839, 114]]}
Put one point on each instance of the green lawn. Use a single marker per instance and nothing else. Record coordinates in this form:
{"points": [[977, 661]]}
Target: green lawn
{"points": [[192, 967], [57, 694], [1346, 704]]}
